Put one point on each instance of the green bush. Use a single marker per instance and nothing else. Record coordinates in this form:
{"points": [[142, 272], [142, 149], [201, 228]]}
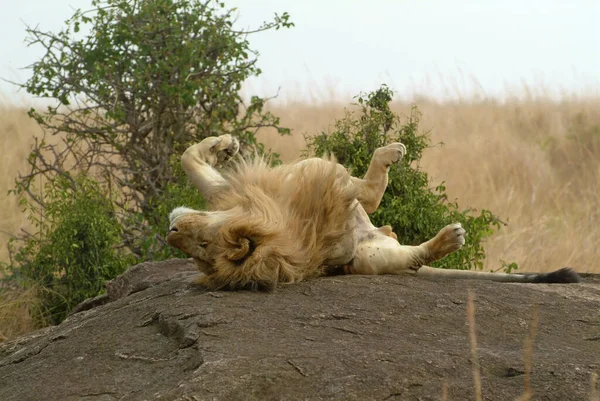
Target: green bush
{"points": [[414, 209], [131, 85], [74, 251]]}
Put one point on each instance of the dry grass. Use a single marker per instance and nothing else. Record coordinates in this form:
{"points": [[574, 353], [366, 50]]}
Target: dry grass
{"points": [[527, 357], [15, 316], [533, 162], [473, 346], [445, 391], [16, 136], [594, 394]]}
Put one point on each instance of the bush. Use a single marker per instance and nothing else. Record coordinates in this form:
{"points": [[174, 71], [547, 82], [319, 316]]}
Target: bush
{"points": [[414, 210], [74, 251], [131, 84], [149, 79]]}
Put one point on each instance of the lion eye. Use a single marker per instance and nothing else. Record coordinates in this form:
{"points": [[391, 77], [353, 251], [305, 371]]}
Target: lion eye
{"points": [[203, 244]]}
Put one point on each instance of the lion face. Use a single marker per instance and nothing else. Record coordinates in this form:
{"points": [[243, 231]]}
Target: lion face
{"points": [[193, 232]]}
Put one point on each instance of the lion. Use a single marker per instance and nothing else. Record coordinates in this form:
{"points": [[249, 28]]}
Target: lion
{"points": [[268, 226]]}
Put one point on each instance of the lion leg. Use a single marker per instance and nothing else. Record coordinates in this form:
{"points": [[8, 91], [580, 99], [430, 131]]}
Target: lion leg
{"points": [[373, 184], [379, 253], [199, 160]]}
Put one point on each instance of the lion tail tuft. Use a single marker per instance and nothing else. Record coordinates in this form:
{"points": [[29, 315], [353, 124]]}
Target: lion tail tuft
{"points": [[560, 276]]}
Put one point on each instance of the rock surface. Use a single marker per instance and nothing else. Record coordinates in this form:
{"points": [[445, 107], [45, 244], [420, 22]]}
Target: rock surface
{"points": [[155, 335]]}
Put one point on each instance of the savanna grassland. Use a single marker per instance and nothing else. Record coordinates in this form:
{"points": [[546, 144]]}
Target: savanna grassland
{"points": [[533, 161]]}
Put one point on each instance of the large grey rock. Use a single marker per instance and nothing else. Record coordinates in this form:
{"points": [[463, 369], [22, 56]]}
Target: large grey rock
{"points": [[158, 336]]}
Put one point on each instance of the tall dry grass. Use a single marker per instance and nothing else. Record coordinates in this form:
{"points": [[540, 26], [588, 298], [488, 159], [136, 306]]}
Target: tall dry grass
{"points": [[16, 136], [16, 306], [535, 162]]}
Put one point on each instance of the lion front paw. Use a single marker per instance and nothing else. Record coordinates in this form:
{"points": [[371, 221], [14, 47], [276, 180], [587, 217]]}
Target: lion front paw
{"points": [[228, 147], [389, 154], [216, 150]]}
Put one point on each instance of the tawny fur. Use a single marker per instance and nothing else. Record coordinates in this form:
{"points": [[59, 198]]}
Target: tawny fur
{"points": [[268, 226], [282, 226]]}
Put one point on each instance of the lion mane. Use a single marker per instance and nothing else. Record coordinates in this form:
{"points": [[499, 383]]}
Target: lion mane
{"points": [[282, 223]]}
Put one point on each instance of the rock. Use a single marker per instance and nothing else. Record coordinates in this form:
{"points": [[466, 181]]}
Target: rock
{"points": [[156, 335]]}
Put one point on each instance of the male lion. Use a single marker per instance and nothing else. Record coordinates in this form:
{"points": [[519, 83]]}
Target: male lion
{"points": [[271, 225]]}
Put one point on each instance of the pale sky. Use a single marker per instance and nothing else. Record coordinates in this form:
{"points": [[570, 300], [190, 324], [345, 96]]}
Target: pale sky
{"points": [[433, 47]]}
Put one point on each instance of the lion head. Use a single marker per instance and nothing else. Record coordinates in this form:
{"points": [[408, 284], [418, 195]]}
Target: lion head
{"points": [[237, 249]]}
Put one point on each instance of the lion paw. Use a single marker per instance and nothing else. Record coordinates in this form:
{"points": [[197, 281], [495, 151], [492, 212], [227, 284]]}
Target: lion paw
{"points": [[391, 153], [450, 238], [218, 150]]}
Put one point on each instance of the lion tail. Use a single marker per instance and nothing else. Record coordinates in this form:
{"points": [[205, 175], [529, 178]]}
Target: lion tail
{"points": [[560, 276]]}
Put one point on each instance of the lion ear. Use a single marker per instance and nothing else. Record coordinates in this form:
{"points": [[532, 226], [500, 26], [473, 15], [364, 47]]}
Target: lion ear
{"points": [[242, 247]]}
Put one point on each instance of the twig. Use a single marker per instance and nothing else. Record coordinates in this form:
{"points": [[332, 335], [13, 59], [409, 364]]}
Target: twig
{"points": [[298, 369], [473, 337], [529, 340], [594, 395], [528, 355], [445, 391]]}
